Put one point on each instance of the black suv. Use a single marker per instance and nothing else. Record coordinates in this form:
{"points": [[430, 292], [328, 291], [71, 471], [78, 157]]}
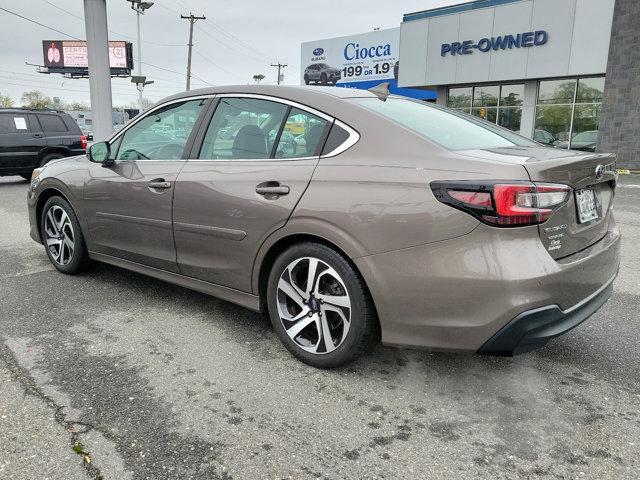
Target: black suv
{"points": [[31, 138]]}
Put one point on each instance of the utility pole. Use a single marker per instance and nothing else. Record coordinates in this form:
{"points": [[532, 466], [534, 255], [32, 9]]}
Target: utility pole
{"points": [[192, 19], [280, 66]]}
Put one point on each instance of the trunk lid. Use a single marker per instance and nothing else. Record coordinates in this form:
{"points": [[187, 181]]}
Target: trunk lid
{"points": [[564, 233]]}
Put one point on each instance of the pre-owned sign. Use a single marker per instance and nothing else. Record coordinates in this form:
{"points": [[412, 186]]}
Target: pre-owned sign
{"points": [[501, 42]]}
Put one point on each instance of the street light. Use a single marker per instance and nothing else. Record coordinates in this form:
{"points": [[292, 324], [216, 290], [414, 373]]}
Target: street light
{"points": [[139, 7]]}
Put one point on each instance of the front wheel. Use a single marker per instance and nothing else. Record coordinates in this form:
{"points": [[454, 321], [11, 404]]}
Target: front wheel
{"points": [[306, 79], [323, 79], [62, 237], [320, 307]]}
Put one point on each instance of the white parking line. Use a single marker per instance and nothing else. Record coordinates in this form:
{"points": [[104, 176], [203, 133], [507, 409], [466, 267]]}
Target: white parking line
{"points": [[628, 186]]}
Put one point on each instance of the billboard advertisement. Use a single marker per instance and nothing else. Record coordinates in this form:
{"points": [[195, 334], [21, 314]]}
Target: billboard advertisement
{"points": [[72, 54], [359, 61]]}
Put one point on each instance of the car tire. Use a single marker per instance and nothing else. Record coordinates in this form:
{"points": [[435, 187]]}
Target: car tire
{"points": [[323, 79], [303, 322], [306, 79], [62, 237], [51, 156]]}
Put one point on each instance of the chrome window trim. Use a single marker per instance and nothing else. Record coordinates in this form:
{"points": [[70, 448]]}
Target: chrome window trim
{"points": [[143, 115], [353, 138]]}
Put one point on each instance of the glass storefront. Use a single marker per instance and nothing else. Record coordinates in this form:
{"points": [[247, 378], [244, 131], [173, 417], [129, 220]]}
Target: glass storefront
{"points": [[500, 104], [568, 112]]}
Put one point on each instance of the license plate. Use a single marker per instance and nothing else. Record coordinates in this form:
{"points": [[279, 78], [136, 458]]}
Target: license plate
{"points": [[586, 203]]}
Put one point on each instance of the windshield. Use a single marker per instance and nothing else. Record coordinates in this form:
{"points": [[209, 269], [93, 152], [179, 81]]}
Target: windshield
{"points": [[452, 130]]}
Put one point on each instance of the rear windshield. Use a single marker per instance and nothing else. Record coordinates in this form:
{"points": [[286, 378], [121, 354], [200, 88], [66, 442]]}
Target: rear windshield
{"points": [[452, 130]]}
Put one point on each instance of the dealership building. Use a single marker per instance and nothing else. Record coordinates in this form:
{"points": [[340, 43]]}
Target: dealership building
{"points": [[563, 72]]}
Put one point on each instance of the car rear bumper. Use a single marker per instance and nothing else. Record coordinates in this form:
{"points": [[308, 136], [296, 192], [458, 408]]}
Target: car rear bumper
{"points": [[534, 328], [458, 294]]}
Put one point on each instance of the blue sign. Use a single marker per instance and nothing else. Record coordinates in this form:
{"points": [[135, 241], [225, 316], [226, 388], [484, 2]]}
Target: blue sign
{"points": [[502, 42], [318, 51]]}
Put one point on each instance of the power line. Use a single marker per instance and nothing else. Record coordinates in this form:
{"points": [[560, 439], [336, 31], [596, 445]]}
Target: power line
{"points": [[38, 23], [216, 65], [110, 31]]}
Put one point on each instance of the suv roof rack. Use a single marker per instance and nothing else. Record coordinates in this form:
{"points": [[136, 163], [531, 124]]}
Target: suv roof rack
{"points": [[25, 109]]}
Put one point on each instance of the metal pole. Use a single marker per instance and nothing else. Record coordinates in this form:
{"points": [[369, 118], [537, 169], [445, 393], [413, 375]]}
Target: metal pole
{"points": [[139, 87], [95, 18]]}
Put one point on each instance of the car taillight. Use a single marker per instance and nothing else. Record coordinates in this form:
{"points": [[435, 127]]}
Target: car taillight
{"points": [[83, 141], [512, 204]]}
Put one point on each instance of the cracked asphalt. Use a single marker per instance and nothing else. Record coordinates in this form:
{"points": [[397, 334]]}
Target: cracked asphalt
{"points": [[115, 375]]}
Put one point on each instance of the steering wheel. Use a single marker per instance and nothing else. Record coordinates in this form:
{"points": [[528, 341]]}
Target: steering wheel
{"points": [[170, 151]]}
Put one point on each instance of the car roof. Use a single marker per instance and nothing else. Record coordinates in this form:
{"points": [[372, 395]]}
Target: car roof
{"points": [[28, 110], [310, 94]]}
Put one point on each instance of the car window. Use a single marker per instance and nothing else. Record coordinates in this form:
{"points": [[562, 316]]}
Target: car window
{"points": [[162, 134], [14, 123], [301, 135], [243, 128], [337, 136], [52, 124], [452, 130]]}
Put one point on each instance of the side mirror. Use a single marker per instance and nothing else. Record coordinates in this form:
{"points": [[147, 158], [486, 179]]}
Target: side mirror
{"points": [[99, 153]]}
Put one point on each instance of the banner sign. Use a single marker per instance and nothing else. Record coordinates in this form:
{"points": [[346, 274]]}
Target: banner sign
{"points": [[73, 54]]}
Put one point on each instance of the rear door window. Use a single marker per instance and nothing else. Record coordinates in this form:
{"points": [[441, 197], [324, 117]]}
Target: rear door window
{"points": [[243, 128], [52, 124], [301, 135], [14, 123]]}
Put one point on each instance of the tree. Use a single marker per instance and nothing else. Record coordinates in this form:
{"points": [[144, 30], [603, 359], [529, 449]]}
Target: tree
{"points": [[36, 100], [5, 101], [71, 106], [258, 78]]}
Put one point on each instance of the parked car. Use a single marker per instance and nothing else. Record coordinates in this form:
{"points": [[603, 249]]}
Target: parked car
{"points": [[32, 138], [399, 220], [585, 141], [321, 73], [542, 136]]}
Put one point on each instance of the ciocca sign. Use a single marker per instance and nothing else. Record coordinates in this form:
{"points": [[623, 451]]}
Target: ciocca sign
{"points": [[501, 42]]}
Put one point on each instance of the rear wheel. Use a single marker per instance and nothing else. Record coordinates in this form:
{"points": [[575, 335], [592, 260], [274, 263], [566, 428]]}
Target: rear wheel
{"points": [[62, 237], [320, 307]]}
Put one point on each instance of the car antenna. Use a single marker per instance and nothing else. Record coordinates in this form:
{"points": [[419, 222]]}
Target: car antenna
{"points": [[381, 90]]}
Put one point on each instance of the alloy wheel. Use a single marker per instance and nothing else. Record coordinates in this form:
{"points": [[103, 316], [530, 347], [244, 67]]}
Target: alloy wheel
{"points": [[60, 237], [313, 305]]}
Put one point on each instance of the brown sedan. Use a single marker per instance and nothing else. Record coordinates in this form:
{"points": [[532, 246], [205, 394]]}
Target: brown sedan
{"points": [[347, 216]]}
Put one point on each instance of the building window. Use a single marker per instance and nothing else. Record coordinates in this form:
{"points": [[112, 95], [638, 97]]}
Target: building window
{"points": [[500, 104], [568, 112], [460, 99]]}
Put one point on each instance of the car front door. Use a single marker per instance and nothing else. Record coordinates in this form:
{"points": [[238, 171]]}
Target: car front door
{"points": [[21, 140], [241, 185], [129, 204]]}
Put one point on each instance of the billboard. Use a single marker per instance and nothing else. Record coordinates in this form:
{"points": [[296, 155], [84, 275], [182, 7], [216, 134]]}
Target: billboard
{"points": [[359, 61], [70, 56]]}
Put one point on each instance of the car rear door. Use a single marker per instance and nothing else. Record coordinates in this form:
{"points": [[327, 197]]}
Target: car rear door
{"points": [[241, 184], [21, 140], [128, 206]]}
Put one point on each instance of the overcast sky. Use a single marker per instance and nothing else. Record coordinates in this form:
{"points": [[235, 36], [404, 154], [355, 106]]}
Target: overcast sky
{"points": [[237, 40]]}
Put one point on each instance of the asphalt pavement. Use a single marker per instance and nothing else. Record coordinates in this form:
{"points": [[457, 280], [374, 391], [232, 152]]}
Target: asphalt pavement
{"points": [[114, 375]]}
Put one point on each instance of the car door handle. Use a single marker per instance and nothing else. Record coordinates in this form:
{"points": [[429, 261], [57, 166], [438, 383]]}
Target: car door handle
{"points": [[159, 184], [273, 188], [38, 135]]}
